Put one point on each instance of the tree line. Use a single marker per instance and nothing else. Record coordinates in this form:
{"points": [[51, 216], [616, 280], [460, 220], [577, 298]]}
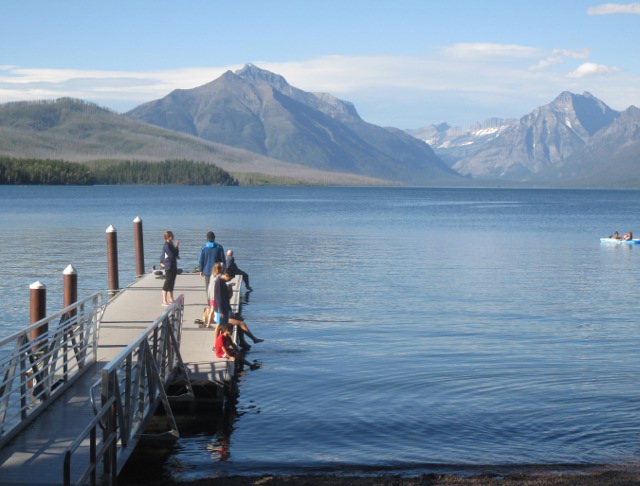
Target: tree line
{"points": [[59, 172]]}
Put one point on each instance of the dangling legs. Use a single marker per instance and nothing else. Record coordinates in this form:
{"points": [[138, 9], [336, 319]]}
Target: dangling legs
{"points": [[237, 322]]}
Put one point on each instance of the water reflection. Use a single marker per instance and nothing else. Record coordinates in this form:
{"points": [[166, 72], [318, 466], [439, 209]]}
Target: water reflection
{"points": [[205, 427]]}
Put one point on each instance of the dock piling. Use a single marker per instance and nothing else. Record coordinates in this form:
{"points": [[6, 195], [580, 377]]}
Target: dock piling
{"points": [[112, 261], [37, 310], [70, 286], [138, 242]]}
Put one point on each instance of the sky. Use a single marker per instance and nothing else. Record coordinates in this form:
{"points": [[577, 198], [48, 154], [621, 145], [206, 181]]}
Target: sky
{"points": [[402, 63]]}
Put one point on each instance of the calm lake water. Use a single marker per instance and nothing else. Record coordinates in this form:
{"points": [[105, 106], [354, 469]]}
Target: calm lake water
{"points": [[407, 330]]}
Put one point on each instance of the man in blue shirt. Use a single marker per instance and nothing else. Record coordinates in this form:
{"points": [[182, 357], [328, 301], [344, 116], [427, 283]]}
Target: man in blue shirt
{"points": [[210, 253]]}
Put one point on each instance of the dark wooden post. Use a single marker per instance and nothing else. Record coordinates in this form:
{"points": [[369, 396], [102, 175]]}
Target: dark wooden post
{"points": [[69, 297], [37, 310], [69, 286], [112, 261], [138, 242]]}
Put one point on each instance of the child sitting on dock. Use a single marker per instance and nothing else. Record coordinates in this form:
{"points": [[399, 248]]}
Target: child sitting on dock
{"points": [[225, 348]]}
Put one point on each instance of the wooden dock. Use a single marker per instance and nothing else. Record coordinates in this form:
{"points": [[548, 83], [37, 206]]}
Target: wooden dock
{"points": [[35, 456]]}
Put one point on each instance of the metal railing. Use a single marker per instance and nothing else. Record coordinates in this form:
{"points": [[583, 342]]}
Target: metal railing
{"points": [[136, 382], [34, 372], [100, 450]]}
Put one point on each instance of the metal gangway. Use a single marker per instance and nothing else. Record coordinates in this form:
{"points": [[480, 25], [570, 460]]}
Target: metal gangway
{"points": [[35, 372], [71, 416]]}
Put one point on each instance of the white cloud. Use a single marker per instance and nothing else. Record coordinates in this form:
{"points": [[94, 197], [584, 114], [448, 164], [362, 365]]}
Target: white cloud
{"points": [[592, 69], [17, 83], [615, 8], [575, 54], [546, 63], [558, 57], [485, 50], [461, 83]]}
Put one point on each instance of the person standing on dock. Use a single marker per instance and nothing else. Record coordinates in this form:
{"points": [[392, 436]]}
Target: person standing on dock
{"points": [[169, 261], [217, 270], [233, 268], [210, 254]]}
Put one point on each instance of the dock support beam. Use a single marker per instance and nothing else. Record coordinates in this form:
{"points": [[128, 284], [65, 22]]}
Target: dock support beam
{"points": [[138, 242], [112, 261]]}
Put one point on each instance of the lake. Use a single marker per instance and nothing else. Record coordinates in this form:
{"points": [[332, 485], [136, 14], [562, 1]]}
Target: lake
{"points": [[407, 330]]}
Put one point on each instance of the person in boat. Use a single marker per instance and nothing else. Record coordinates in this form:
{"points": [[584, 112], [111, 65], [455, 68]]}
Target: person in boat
{"points": [[615, 236], [628, 236]]}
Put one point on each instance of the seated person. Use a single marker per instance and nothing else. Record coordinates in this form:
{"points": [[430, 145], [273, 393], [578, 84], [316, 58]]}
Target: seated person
{"points": [[225, 347], [615, 236], [628, 236], [234, 270], [222, 308]]}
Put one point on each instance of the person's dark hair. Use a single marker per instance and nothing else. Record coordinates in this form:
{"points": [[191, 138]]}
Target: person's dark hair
{"points": [[211, 236]]}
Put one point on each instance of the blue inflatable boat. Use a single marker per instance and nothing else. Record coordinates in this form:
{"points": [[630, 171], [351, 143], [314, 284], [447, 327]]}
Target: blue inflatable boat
{"points": [[614, 241]]}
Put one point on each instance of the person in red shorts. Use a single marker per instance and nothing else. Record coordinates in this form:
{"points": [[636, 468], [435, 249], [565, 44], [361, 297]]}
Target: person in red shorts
{"points": [[225, 348]]}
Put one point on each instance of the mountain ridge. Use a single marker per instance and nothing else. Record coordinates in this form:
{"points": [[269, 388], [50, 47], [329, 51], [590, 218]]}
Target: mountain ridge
{"points": [[80, 131], [257, 110], [545, 145], [576, 140]]}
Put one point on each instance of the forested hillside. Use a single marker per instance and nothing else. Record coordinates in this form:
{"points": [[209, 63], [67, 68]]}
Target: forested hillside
{"points": [[77, 131], [59, 172]]}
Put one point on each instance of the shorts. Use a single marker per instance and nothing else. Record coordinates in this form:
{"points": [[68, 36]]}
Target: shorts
{"points": [[221, 321]]}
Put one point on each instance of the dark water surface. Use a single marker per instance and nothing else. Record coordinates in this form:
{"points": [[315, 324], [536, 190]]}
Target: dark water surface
{"points": [[407, 330]]}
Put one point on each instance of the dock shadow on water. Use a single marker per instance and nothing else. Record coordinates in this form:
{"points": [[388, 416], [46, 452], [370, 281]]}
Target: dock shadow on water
{"points": [[205, 429]]}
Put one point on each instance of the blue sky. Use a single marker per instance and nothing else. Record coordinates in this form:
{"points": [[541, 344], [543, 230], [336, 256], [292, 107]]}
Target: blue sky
{"points": [[402, 63]]}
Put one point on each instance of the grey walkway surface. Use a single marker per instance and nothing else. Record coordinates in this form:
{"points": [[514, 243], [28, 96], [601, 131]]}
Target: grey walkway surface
{"points": [[36, 456]]}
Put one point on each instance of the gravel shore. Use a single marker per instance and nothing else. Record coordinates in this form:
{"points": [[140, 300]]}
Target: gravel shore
{"points": [[606, 478]]}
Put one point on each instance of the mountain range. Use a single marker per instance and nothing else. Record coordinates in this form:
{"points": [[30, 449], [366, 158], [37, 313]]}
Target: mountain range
{"points": [[252, 122], [576, 141]]}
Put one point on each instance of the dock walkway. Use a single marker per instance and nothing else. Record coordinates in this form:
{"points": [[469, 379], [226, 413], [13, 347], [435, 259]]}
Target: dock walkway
{"points": [[134, 309], [35, 456]]}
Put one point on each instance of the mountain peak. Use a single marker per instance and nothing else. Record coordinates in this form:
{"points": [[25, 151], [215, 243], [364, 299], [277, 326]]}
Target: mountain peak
{"points": [[584, 110], [253, 73], [567, 99], [541, 139]]}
